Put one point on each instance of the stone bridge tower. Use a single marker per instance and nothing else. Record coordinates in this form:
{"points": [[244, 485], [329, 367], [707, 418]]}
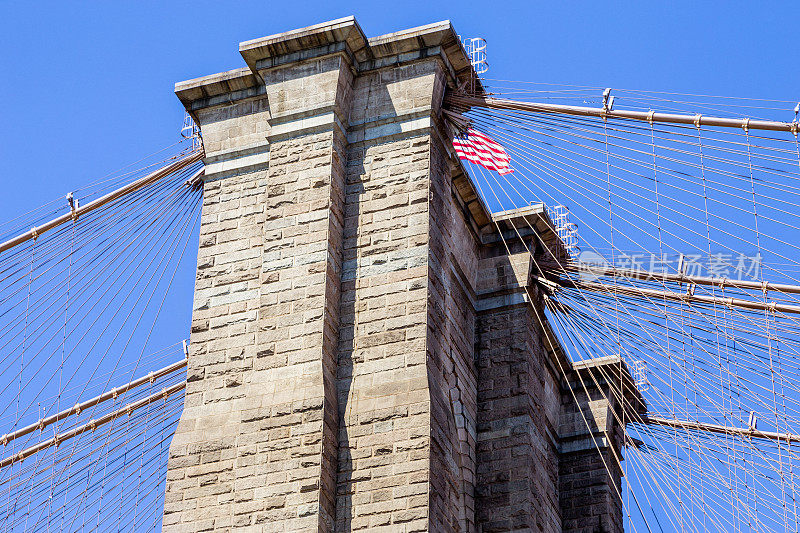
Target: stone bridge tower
{"points": [[366, 353]]}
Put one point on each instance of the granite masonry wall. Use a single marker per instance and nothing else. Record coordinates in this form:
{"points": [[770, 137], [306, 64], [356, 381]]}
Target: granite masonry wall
{"points": [[518, 404], [364, 354]]}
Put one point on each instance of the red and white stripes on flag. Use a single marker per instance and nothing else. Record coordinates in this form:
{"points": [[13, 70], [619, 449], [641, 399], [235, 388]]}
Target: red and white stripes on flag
{"points": [[478, 148]]}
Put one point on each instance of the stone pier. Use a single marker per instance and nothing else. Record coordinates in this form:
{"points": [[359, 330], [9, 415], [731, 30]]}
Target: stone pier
{"points": [[369, 349]]}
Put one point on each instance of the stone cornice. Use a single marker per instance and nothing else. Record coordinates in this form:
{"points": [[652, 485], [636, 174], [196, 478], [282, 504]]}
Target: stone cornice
{"points": [[293, 43], [341, 36], [217, 88]]}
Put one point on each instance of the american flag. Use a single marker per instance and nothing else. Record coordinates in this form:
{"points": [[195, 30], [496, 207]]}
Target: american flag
{"points": [[478, 148]]}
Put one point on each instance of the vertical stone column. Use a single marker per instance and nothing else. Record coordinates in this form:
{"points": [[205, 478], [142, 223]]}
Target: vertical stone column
{"points": [[301, 278], [599, 397], [383, 470], [399, 439], [454, 255], [518, 398], [257, 442], [332, 387], [207, 482]]}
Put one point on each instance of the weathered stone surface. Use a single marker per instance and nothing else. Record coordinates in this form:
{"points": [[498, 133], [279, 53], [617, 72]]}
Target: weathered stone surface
{"points": [[367, 352], [592, 423], [518, 405]]}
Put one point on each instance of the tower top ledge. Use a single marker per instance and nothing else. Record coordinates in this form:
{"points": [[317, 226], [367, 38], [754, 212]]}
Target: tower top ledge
{"points": [[341, 35]]}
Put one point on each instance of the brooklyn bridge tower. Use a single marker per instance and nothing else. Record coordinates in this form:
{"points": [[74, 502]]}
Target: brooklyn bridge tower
{"points": [[368, 346]]}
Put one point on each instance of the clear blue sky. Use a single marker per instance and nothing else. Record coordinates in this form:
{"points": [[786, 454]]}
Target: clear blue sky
{"points": [[87, 87]]}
